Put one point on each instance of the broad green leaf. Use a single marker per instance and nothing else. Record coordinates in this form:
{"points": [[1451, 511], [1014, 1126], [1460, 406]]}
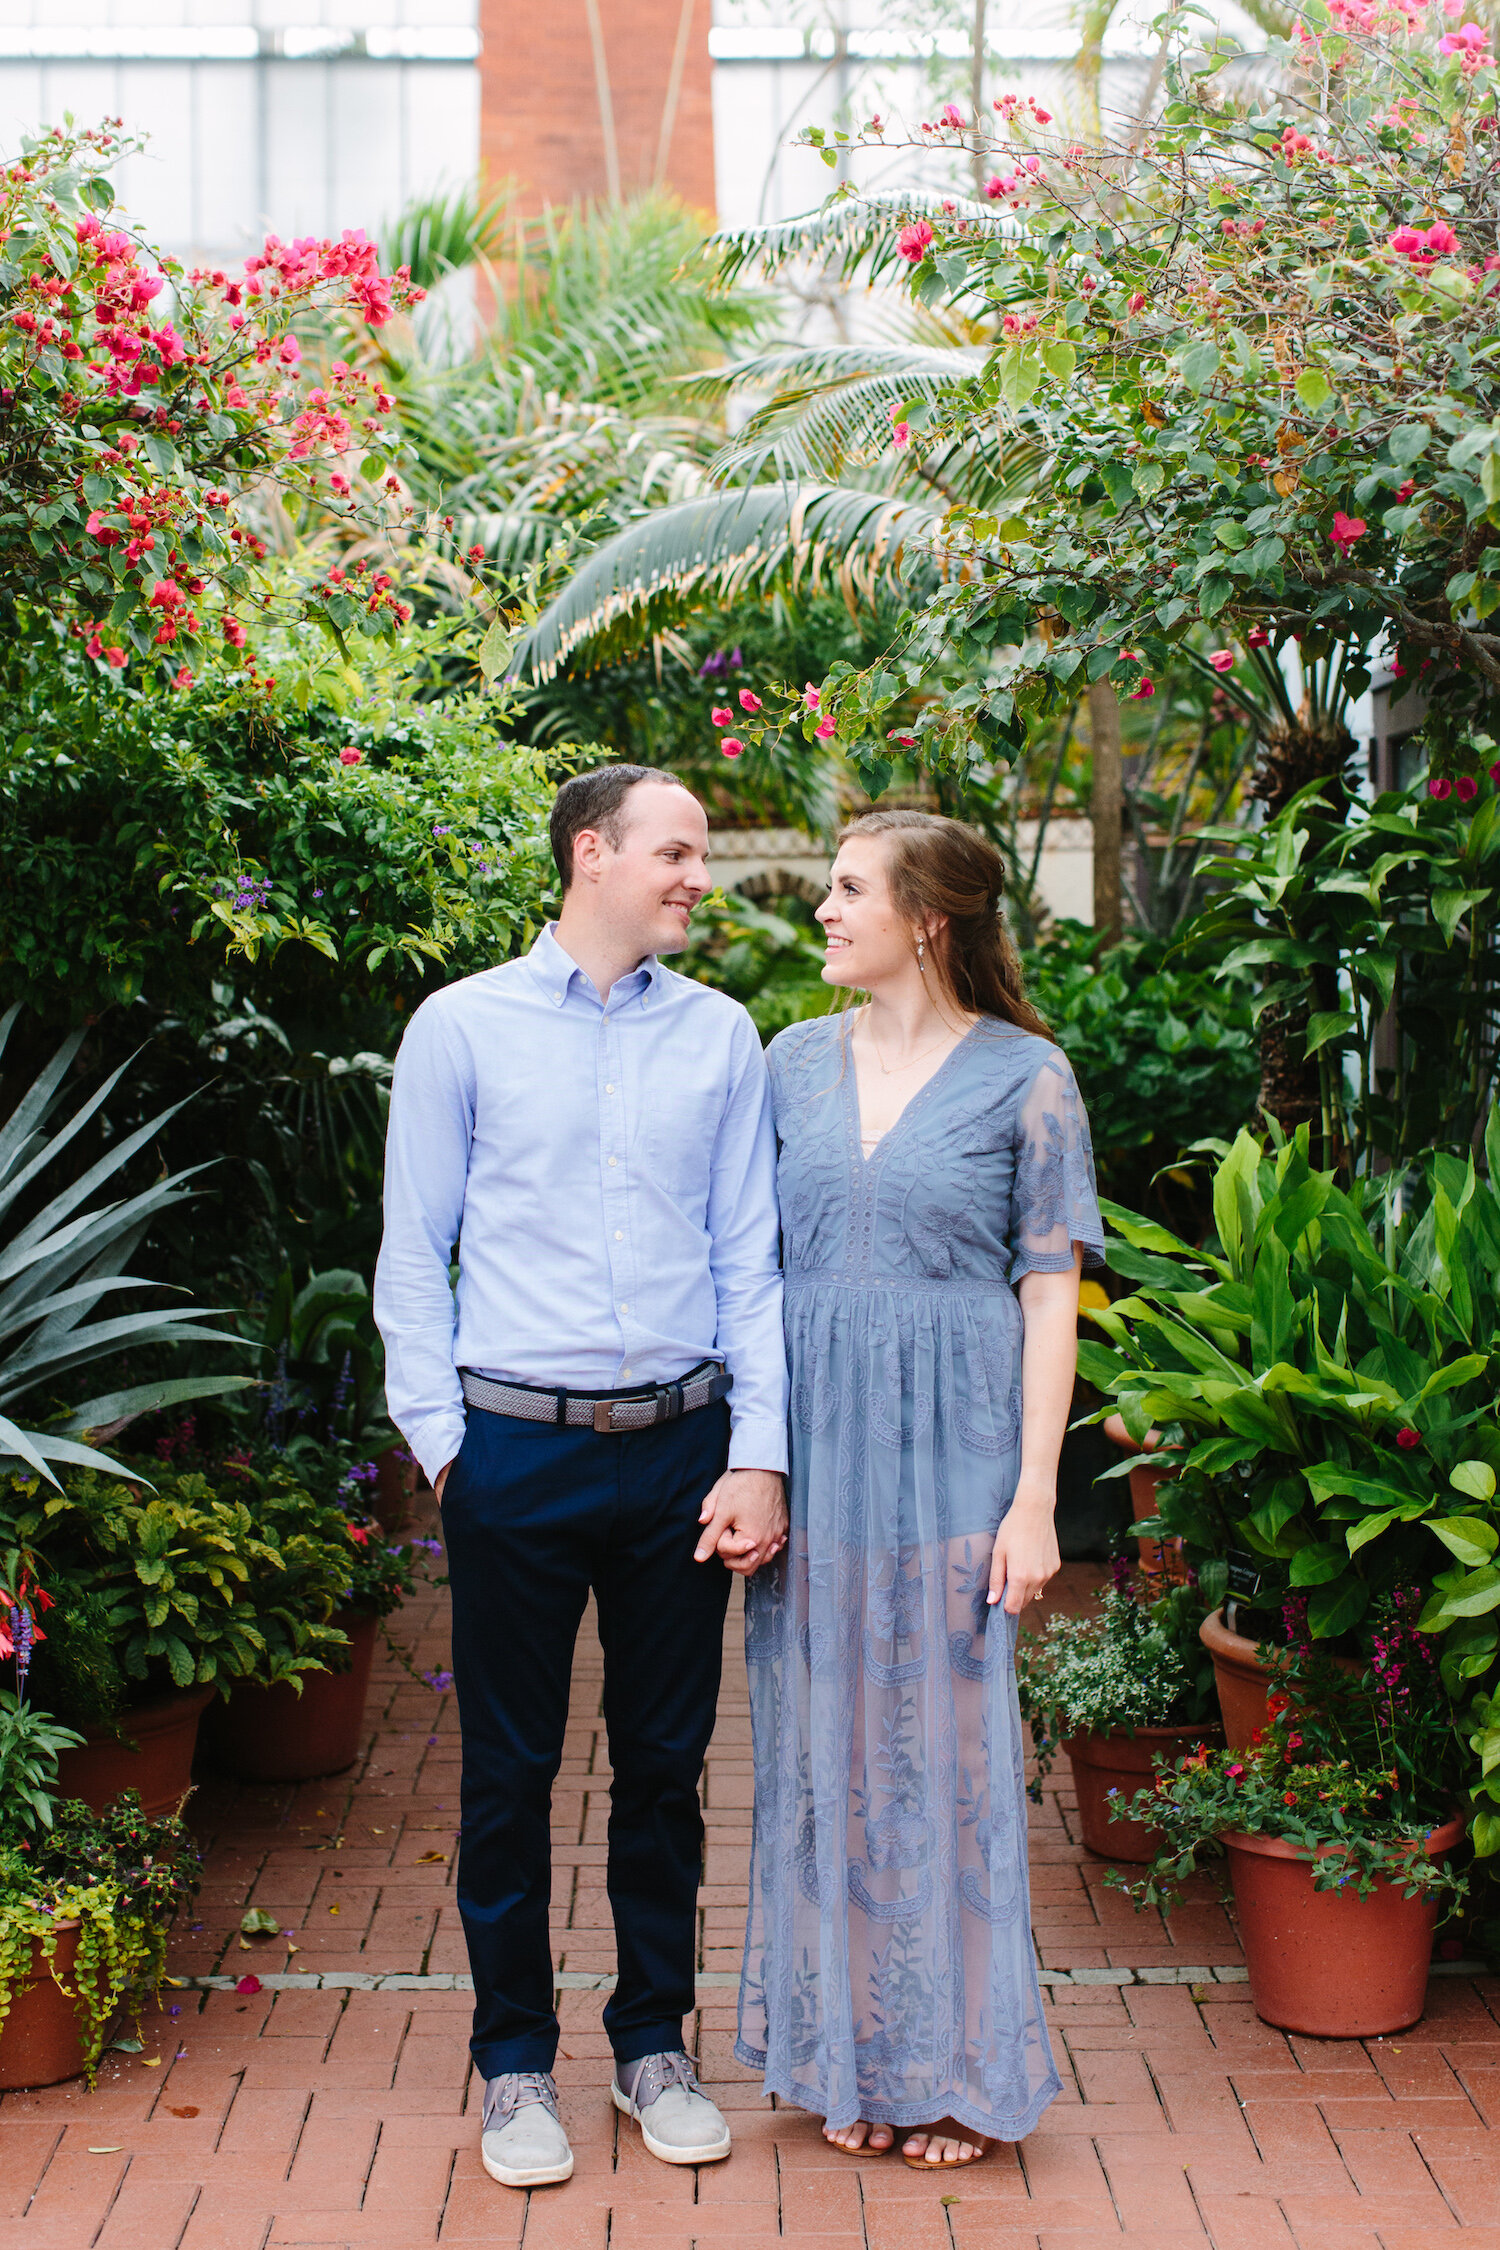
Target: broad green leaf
{"points": [[1485, 1830], [1476, 1478], [1314, 1565], [1199, 364], [1333, 1609], [1468, 1537], [1272, 1312], [1148, 478], [1475, 1594], [1328, 1024], [1450, 907], [1331, 1480], [1061, 360], [1408, 442], [1313, 388]]}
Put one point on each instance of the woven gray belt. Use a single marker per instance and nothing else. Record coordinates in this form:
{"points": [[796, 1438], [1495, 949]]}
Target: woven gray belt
{"points": [[606, 1411]]}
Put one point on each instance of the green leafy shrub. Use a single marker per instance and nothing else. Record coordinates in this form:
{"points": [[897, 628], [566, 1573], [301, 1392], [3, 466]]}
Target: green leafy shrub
{"points": [[30, 1740], [1131, 1664], [1165, 1055], [121, 1877]]}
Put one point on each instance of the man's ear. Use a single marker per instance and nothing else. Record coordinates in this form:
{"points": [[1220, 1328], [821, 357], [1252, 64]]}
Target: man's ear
{"points": [[588, 855]]}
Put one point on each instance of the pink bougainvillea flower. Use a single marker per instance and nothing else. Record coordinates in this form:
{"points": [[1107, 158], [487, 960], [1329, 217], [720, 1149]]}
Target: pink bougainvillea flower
{"points": [[1439, 787], [900, 435], [721, 715], [117, 657], [810, 696], [951, 116], [1347, 530], [907, 741], [1469, 39], [1441, 239], [731, 746], [1222, 660], [349, 756], [825, 730], [248, 1985], [1137, 302], [1146, 687], [1467, 788], [749, 700], [912, 241], [1258, 637], [1407, 242]]}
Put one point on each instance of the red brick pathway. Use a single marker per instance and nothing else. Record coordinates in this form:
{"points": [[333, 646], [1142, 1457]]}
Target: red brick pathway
{"points": [[342, 2115]]}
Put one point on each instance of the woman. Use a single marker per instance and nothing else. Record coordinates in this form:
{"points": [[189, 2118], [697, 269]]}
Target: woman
{"points": [[937, 1202]]}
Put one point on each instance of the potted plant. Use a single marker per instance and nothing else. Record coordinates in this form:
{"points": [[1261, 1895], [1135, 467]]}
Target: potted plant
{"points": [[1163, 1562], [1118, 1692], [155, 1598], [85, 1902], [1322, 1368], [1337, 1824], [311, 1723]]}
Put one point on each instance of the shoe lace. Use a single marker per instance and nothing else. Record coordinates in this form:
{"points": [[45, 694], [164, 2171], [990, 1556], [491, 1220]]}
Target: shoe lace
{"points": [[517, 2089], [658, 2072]]}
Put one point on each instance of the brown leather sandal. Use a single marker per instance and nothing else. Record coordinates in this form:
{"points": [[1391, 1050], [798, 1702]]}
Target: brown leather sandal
{"points": [[947, 2129]]}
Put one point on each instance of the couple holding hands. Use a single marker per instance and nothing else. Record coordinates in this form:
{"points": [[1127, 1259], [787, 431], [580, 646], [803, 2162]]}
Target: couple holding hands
{"points": [[808, 1317]]}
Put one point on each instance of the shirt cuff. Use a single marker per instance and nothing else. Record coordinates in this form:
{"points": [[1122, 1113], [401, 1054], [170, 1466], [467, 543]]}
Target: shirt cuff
{"points": [[435, 1443], [757, 1443]]}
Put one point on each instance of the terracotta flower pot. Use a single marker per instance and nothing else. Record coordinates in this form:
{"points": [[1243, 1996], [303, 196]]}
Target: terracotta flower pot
{"points": [[275, 1734], [40, 2041], [1242, 1680], [152, 1752], [396, 1479], [1102, 1762], [1163, 1563], [1330, 1963]]}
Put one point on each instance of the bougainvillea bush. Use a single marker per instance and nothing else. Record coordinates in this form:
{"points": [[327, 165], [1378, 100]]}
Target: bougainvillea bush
{"points": [[143, 404], [1258, 342]]}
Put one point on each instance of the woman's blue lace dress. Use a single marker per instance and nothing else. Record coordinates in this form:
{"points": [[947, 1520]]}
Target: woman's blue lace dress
{"points": [[889, 1970]]}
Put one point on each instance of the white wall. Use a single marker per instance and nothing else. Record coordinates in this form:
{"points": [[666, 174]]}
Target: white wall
{"points": [[288, 116]]}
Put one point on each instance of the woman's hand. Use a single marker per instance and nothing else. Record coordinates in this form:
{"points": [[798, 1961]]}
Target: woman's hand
{"points": [[1025, 1555]]}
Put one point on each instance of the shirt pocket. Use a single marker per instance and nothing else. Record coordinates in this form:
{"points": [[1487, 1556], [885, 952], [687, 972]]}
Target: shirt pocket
{"points": [[683, 1127]]}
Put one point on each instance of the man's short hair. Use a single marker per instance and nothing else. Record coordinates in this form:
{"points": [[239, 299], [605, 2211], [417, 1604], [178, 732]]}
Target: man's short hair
{"points": [[593, 800]]}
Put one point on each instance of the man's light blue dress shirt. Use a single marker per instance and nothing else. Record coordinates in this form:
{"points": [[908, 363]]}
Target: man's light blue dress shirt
{"points": [[611, 1170]]}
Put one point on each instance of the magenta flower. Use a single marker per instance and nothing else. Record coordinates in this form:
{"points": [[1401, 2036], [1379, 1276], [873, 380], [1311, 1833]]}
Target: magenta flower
{"points": [[1347, 530], [1439, 787], [825, 730], [1468, 39], [731, 746], [1222, 660], [749, 701], [1258, 637], [349, 756], [1137, 694], [1467, 788], [1408, 1439], [721, 715], [1441, 239], [810, 696], [912, 241]]}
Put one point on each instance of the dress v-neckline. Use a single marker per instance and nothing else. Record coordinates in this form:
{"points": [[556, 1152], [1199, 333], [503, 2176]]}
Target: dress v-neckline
{"points": [[851, 1094]]}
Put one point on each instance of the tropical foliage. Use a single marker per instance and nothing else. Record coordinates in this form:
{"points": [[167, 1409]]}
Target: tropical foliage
{"points": [[134, 433], [63, 1260]]}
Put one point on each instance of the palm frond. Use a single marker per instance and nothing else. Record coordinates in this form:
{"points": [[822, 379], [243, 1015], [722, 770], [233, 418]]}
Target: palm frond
{"points": [[845, 232], [442, 233], [716, 549], [831, 408]]}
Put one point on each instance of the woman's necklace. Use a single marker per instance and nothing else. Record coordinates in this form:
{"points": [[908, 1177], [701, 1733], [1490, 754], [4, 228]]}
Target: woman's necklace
{"points": [[894, 1070]]}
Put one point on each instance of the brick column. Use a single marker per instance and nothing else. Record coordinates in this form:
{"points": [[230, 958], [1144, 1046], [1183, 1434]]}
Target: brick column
{"points": [[582, 99]]}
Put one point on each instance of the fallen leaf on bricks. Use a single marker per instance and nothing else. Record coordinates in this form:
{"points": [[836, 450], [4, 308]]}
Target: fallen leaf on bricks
{"points": [[189, 2109], [432, 1859]]}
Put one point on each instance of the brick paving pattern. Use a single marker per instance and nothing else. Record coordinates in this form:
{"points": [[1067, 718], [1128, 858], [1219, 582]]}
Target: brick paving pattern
{"points": [[343, 2115]]}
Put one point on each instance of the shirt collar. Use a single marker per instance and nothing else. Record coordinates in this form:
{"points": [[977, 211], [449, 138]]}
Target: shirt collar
{"points": [[555, 970]]}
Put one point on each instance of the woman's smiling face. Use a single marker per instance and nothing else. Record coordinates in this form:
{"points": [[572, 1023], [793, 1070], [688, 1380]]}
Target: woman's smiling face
{"points": [[867, 941]]}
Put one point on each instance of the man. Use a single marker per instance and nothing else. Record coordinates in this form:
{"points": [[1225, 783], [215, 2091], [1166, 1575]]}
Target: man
{"points": [[594, 1132]]}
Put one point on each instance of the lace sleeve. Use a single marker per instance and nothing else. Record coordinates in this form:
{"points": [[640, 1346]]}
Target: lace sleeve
{"points": [[1055, 1204]]}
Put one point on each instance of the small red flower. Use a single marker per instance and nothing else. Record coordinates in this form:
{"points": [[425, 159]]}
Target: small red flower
{"points": [[1289, 1797], [749, 701], [1440, 787], [721, 715], [731, 746], [1467, 788], [1407, 1439], [349, 756]]}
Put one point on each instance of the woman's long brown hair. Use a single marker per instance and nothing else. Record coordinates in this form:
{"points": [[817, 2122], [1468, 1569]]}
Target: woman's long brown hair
{"points": [[938, 866]]}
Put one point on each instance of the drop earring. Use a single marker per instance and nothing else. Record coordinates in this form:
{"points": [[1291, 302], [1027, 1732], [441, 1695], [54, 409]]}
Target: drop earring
{"points": [[921, 947]]}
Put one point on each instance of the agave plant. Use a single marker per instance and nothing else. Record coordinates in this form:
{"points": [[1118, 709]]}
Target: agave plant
{"points": [[58, 1266]]}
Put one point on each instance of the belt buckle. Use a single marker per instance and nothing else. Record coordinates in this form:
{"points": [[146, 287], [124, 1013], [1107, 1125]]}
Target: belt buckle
{"points": [[604, 1417]]}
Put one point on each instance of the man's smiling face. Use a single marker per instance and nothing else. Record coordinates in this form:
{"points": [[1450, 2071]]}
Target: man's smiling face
{"points": [[649, 883]]}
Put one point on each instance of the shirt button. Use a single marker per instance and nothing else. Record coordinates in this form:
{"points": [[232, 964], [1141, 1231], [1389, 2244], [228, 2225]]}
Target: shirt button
{"points": [[624, 1308], [627, 1372], [614, 1160], [609, 1089], [619, 1234]]}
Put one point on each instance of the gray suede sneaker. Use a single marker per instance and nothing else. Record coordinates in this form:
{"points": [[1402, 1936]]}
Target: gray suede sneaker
{"points": [[678, 2121], [522, 2143]]}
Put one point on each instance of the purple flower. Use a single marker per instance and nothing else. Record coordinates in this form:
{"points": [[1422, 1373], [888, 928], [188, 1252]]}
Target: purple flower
{"points": [[441, 831], [429, 1546], [439, 1681]]}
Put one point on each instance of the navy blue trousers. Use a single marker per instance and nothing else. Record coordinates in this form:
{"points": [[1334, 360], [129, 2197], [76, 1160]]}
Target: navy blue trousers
{"points": [[534, 1516]]}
